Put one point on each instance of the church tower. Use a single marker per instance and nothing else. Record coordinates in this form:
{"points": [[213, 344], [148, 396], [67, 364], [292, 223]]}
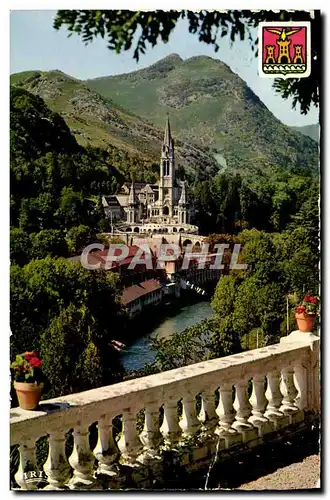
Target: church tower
{"points": [[167, 173], [183, 207], [131, 205]]}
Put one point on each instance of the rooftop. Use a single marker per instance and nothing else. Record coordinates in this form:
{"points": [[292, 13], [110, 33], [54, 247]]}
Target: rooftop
{"points": [[136, 291]]}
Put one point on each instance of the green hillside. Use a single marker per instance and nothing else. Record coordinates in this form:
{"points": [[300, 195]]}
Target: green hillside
{"points": [[212, 106], [53, 179], [133, 142], [312, 131], [218, 123]]}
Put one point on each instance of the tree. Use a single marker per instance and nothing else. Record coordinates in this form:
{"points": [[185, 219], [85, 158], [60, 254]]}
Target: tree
{"points": [[119, 28], [37, 213], [258, 253], [300, 261], [49, 242], [20, 246], [224, 295], [271, 308], [71, 359], [43, 288], [78, 238], [71, 209], [245, 316]]}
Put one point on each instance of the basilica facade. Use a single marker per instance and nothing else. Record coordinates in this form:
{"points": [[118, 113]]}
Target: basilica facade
{"points": [[153, 208]]}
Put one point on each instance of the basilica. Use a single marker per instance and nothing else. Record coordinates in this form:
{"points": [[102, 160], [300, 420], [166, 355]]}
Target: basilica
{"points": [[153, 208]]}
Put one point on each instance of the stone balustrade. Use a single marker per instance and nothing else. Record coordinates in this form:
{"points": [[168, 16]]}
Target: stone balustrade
{"points": [[225, 404]]}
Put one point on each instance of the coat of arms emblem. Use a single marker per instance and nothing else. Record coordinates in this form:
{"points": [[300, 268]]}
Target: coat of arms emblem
{"points": [[284, 49]]}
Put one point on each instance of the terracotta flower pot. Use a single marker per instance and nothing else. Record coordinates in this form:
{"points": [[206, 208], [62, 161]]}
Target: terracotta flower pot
{"points": [[305, 322], [28, 395]]}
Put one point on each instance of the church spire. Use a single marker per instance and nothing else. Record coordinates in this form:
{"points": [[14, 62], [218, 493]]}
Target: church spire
{"points": [[168, 145]]}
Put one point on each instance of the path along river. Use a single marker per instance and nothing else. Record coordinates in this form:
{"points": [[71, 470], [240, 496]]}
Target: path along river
{"points": [[139, 352]]}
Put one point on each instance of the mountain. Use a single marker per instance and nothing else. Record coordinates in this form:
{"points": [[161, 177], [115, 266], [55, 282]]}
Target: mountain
{"points": [[213, 107], [100, 122], [218, 123], [312, 131], [35, 130]]}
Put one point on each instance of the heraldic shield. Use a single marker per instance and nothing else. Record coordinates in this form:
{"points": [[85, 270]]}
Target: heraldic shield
{"points": [[284, 49]]}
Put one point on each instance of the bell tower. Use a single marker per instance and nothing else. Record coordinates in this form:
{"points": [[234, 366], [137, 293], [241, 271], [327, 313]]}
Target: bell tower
{"points": [[167, 173], [131, 205]]}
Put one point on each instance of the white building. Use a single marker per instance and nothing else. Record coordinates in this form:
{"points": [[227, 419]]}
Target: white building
{"points": [[150, 208]]}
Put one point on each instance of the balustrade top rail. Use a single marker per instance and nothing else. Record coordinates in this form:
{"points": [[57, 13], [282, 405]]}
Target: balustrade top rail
{"points": [[133, 395]]}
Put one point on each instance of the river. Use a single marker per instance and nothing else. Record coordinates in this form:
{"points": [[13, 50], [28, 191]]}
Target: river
{"points": [[139, 352]]}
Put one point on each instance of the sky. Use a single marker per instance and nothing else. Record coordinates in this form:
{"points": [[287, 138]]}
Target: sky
{"points": [[36, 45]]}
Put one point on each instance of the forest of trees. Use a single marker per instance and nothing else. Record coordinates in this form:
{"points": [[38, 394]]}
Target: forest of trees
{"points": [[54, 183]]}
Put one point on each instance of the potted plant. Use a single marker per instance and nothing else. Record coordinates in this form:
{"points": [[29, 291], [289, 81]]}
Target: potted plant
{"points": [[306, 313], [27, 379]]}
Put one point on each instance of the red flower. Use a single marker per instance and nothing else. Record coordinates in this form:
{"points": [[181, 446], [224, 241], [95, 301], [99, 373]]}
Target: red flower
{"points": [[313, 300], [35, 362], [301, 309], [30, 355], [307, 298]]}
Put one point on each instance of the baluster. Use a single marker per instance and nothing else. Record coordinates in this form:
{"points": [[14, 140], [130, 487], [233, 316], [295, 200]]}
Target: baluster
{"points": [[57, 467], [81, 460], [226, 414], [28, 468], [274, 397], [241, 404], [189, 422], [106, 451], [258, 402], [300, 380], [150, 437], [129, 444], [170, 428], [243, 412], [207, 415], [289, 392]]}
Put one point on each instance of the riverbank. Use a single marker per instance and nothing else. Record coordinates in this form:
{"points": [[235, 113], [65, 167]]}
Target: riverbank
{"points": [[162, 322], [151, 317]]}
